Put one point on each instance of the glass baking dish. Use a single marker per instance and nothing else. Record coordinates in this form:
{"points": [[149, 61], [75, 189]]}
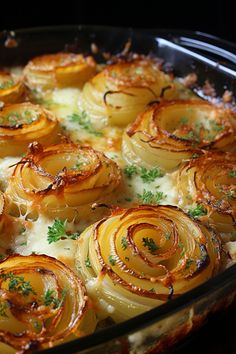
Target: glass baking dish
{"points": [[211, 58]]}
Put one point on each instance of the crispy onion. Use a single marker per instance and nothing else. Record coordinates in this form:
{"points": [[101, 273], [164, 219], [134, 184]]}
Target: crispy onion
{"points": [[22, 123], [139, 258], [210, 180], [61, 178], [11, 90], [42, 303], [165, 134], [59, 70], [118, 93]]}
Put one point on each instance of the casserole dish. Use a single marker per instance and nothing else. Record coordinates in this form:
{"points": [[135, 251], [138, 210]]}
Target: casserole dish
{"points": [[160, 328]]}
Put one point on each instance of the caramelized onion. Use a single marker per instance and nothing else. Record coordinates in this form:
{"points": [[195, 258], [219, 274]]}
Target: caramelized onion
{"points": [[11, 90], [168, 133], [139, 258], [61, 178], [118, 93], [43, 303], [59, 70], [210, 180], [22, 123]]}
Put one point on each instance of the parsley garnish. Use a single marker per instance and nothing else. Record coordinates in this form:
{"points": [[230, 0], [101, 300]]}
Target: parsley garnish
{"points": [[167, 236], [232, 173], [130, 170], [150, 175], [84, 122], [50, 298], [188, 263], [124, 243], [6, 84], [150, 244], [88, 263], [3, 308], [183, 120], [18, 284], [111, 260], [150, 198], [199, 210], [57, 232]]}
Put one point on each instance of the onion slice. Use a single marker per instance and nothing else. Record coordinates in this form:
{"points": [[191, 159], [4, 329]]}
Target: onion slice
{"points": [[167, 133], [118, 93], [61, 178], [59, 70], [21, 124], [139, 258], [210, 180], [12, 90], [43, 303]]}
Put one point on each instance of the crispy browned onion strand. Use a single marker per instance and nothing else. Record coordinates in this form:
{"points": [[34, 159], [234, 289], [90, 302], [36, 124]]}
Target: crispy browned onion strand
{"points": [[12, 90], [210, 180], [59, 70], [118, 93], [21, 124], [43, 303], [139, 258], [167, 133], [61, 178]]}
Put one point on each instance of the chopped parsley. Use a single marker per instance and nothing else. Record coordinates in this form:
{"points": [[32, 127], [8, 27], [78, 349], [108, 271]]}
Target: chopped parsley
{"points": [[189, 262], [18, 284], [232, 173], [124, 243], [150, 198], [150, 175], [150, 244], [3, 308], [50, 298], [84, 122], [58, 232], [111, 260], [167, 236], [130, 171], [183, 120], [6, 84], [199, 210], [88, 263]]}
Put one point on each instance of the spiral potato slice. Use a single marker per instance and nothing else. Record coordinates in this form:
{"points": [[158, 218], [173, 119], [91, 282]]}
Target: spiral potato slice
{"points": [[118, 93], [165, 134], [61, 178], [59, 70], [22, 123], [42, 303], [210, 180], [139, 258], [11, 90]]}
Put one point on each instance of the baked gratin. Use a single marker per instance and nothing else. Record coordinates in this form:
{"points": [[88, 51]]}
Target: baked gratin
{"points": [[118, 193]]}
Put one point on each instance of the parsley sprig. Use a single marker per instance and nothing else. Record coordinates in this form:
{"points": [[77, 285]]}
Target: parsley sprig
{"points": [[150, 244], [58, 232], [197, 211], [146, 175], [147, 197], [84, 122], [18, 284]]}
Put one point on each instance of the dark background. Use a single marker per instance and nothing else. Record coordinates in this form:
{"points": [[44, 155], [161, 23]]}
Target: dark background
{"points": [[215, 17]]}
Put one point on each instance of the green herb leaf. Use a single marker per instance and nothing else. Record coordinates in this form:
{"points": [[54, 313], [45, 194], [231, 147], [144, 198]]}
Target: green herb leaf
{"points": [[150, 198], [150, 244], [232, 173], [18, 284], [84, 122], [50, 298], [124, 243], [111, 260], [150, 175], [199, 210], [88, 263], [3, 308], [58, 232], [130, 171]]}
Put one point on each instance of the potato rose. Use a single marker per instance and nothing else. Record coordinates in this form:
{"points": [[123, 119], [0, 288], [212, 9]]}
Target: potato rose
{"points": [[12, 90]]}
